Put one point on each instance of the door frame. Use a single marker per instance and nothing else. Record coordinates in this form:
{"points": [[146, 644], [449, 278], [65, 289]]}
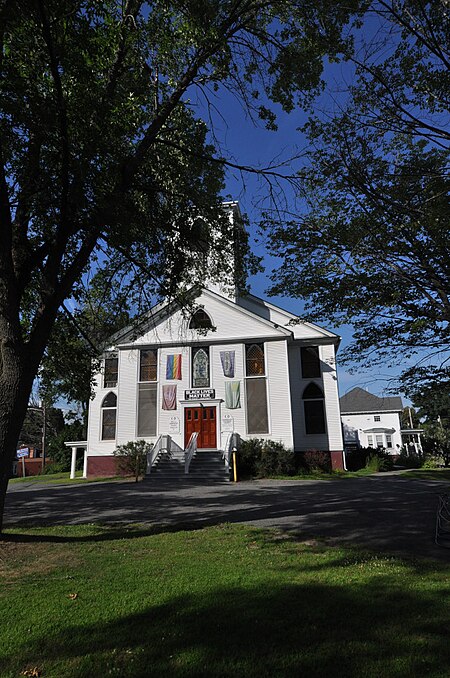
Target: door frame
{"points": [[213, 402]]}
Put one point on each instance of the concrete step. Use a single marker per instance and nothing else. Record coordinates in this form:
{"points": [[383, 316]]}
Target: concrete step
{"points": [[206, 467]]}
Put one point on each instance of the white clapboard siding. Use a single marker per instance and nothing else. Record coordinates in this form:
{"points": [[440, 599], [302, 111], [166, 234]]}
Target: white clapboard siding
{"points": [[95, 445], [277, 370], [302, 440], [127, 389], [230, 322], [300, 330], [330, 385]]}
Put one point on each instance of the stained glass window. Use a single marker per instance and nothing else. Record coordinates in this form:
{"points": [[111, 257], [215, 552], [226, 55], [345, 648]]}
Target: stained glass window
{"points": [[200, 367], [149, 365], [254, 360]]}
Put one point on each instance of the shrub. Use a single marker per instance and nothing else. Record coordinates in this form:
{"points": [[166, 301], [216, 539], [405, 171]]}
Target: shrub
{"points": [[56, 467], [316, 460], [379, 461], [408, 461], [263, 458], [249, 453], [131, 458]]}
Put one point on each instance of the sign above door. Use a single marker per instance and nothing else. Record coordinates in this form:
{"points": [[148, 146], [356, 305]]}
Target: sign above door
{"points": [[200, 394]]}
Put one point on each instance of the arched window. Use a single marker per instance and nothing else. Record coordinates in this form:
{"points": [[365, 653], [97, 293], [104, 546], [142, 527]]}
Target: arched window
{"points": [[200, 367], [314, 408], [254, 360], [200, 320], [109, 414]]}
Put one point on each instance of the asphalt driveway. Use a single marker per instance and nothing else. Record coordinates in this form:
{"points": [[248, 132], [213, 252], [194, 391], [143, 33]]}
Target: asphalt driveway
{"points": [[388, 513]]}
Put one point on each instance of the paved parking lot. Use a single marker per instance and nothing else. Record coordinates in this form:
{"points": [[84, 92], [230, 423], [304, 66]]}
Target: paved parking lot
{"points": [[383, 512]]}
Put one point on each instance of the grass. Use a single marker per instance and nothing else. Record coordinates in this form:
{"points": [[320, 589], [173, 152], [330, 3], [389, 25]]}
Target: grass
{"points": [[57, 478], [428, 474], [228, 601], [322, 475]]}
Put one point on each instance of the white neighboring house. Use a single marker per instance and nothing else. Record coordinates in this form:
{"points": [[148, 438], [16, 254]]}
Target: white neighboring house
{"points": [[237, 364], [371, 421]]}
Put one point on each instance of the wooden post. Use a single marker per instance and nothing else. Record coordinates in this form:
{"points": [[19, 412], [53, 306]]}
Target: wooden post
{"points": [[235, 465]]}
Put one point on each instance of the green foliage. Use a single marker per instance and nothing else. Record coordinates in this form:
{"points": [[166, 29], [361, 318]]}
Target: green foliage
{"points": [[131, 457], [371, 247], [409, 461], [59, 453], [316, 461], [369, 458], [377, 461], [31, 433], [264, 458]]}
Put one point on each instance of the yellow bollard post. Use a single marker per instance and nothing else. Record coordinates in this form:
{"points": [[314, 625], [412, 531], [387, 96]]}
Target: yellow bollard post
{"points": [[234, 466]]}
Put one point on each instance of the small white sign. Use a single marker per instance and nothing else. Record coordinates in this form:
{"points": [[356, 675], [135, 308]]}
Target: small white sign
{"points": [[22, 452], [174, 425], [227, 423]]}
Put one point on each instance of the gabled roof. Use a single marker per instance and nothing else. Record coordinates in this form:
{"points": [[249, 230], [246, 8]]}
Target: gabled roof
{"points": [[298, 327], [358, 401]]}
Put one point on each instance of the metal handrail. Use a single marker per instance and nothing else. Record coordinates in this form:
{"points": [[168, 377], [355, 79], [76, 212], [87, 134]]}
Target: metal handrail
{"points": [[163, 444], [229, 447], [190, 451]]}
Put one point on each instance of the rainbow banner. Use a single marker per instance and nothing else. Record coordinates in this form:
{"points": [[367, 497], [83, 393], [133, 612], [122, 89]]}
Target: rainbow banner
{"points": [[173, 366]]}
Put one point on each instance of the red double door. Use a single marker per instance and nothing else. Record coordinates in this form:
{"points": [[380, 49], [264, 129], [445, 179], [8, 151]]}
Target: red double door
{"points": [[203, 421]]}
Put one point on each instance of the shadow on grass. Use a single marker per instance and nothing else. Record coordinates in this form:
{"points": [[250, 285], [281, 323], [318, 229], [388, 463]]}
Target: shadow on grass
{"points": [[285, 631]]}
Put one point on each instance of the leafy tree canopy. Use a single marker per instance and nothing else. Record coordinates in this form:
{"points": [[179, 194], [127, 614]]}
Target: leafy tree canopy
{"points": [[371, 245]]}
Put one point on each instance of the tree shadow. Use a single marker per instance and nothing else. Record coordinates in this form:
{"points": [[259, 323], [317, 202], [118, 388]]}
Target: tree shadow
{"points": [[285, 631], [381, 513]]}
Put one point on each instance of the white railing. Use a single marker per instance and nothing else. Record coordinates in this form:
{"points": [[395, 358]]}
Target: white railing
{"points": [[190, 451], [228, 449], [163, 444]]}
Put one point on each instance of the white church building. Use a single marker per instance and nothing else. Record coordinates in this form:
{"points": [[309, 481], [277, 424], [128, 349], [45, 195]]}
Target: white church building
{"points": [[236, 364]]}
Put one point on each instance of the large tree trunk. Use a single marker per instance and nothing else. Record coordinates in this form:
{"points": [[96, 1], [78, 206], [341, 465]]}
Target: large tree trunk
{"points": [[16, 383]]}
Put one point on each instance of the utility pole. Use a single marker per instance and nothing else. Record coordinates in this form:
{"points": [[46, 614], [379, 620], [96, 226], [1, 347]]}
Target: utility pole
{"points": [[44, 433]]}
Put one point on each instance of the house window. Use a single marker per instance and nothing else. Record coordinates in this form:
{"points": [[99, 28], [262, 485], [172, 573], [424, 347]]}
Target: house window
{"points": [[200, 320], [314, 408], [254, 360], [256, 401], [310, 362], [377, 417], [370, 441], [200, 367], [109, 415], [379, 440], [388, 441], [111, 365], [147, 398], [148, 367]]}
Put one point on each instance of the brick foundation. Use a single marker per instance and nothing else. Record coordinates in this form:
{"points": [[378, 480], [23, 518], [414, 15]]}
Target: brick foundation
{"points": [[337, 460], [101, 466]]}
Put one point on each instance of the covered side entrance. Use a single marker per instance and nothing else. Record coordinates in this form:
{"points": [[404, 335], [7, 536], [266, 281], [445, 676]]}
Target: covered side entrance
{"points": [[202, 420]]}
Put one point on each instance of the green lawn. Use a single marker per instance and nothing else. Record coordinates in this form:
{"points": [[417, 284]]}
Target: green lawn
{"points": [[428, 474], [62, 478], [320, 475], [228, 601]]}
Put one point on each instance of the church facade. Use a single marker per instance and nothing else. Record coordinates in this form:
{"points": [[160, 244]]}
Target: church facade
{"points": [[236, 364]]}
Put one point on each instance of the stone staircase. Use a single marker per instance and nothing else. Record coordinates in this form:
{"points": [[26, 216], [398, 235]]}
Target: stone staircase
{"points": [[206, 468]]}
